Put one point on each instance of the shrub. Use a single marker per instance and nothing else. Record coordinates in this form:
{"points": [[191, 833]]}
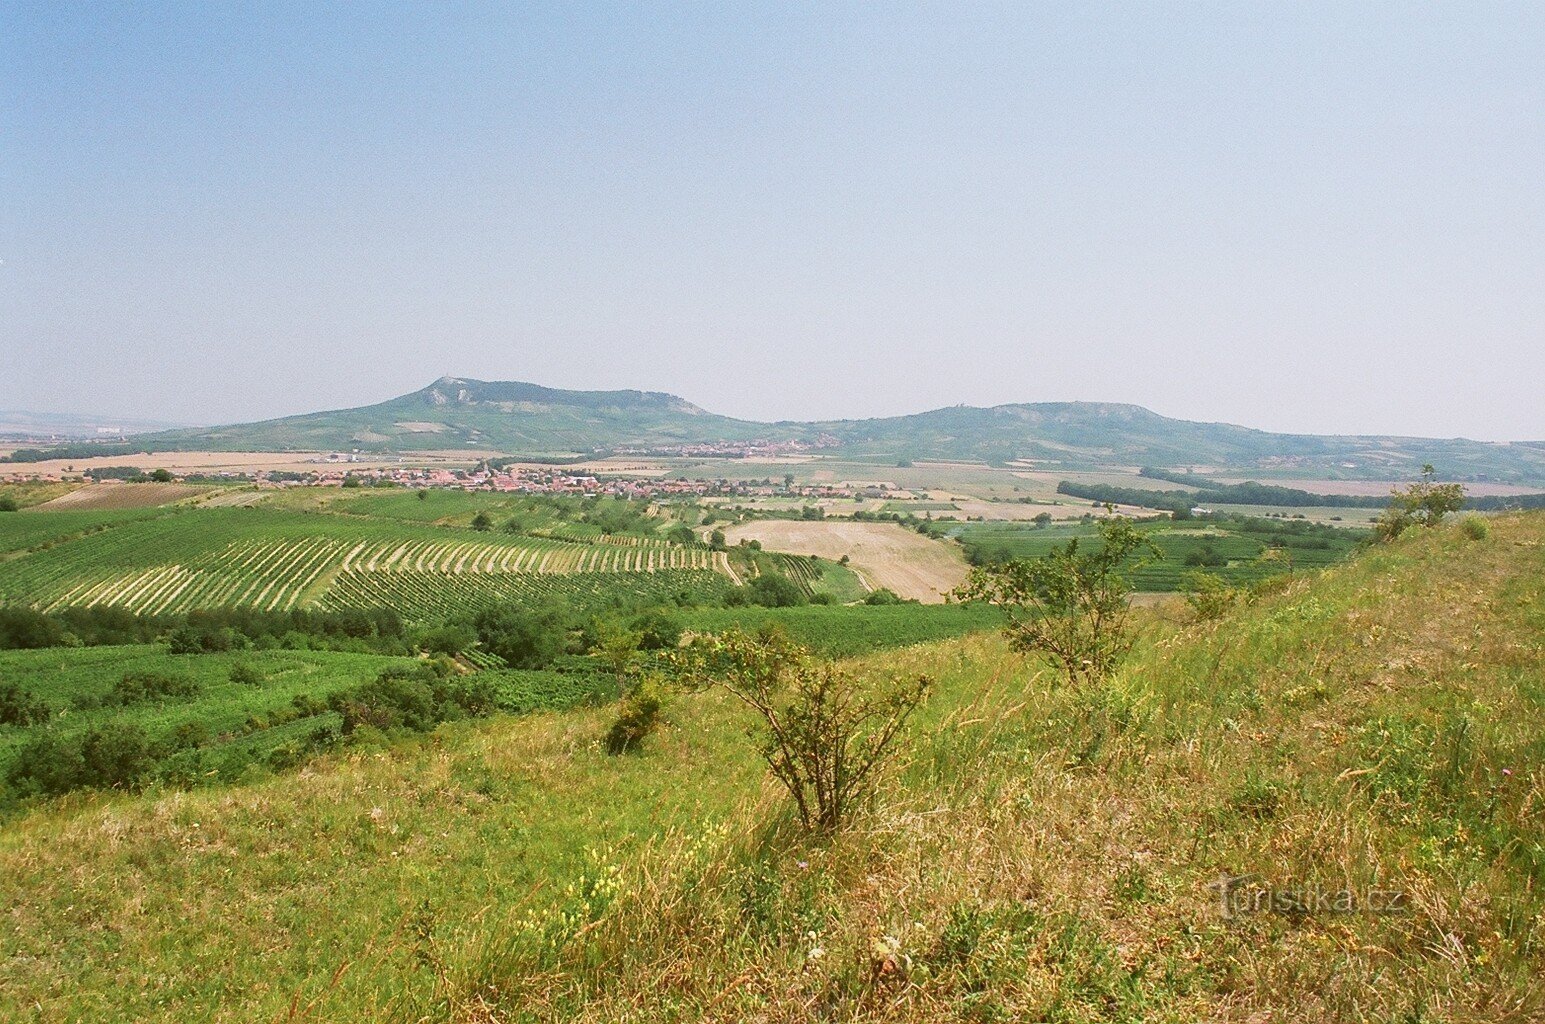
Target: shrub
{"points": [[137, 687], [657, 631], [523, 637], [1424, 503], [449, 638], [21, 707], [1071, 605], [882, 596], [412, 698], [24, 628], [1475, 528], [47, 766], [1209, 597], [246, 675], [825, 735], [638, 717], [774, 590], [8, 504], [115, 754]]}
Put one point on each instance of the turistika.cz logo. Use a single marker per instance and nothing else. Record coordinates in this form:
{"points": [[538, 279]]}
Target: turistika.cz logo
{"points": [[1243, 895]]}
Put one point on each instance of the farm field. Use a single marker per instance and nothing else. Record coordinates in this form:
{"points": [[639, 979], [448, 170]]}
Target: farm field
{"points": [[185, 559], [77, 683], [842, 632], [884, 554], [114, 495], [1241, 551]]}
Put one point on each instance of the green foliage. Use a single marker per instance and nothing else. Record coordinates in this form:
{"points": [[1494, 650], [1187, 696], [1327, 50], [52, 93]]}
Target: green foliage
{"points": [[638, 716], [825, 734], [1209, 596], [1475, 528], [1424, 503], [1071, 605], [525, 637], [450, 638], [8, 503], [774, 590], [617, 649], [21, 707], [246, 675], [138, 687], [482, 522]]}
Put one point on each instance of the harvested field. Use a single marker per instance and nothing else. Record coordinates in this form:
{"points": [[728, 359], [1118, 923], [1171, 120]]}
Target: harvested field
{"points": [[883, 554], [122, 495]]}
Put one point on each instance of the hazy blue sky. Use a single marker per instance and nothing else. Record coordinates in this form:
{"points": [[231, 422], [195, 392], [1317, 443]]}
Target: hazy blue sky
{"points": [[1288, 215]]}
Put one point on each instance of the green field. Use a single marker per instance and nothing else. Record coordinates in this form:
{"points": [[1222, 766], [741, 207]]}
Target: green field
{"points": [[1232, 548], [76, 685], [841, 631]]}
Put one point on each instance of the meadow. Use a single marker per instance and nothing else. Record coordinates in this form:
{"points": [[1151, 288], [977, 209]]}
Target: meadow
{"points": [[1041, 852]]}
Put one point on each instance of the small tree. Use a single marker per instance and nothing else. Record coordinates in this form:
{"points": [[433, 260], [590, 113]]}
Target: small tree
{"points": [[1071, 605], [162, 476], [1208, 595], [825, 735], [617, 649], [482, 522], [1423, 503], [638, 717]]}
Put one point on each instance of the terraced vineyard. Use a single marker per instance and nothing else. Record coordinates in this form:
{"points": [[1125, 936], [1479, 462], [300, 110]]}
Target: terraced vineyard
{"points": [[279, 560]]}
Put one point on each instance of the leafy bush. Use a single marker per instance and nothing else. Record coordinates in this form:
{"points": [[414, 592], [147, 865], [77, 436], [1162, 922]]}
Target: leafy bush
{"points": [[657, 630], [450, 638], [24, 628], [1475, 528], [110, 755], [417, 699], [638, 717], [138, 687], [1071, 605], [21, 707], [196, 639], [1209, 597], [1424, 503], [523, 637], [825, 734], [246, 675], [774, 590]]}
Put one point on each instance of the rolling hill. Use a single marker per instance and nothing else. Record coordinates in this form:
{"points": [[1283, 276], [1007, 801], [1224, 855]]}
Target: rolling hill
{"points": [[528, 419]]}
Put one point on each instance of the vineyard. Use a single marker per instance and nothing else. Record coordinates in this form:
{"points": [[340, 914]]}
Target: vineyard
{"points": [[273, 560]]}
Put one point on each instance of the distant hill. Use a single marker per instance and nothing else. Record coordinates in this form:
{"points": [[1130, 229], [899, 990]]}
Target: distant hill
{"points": [[528, 419], [508, 416]]}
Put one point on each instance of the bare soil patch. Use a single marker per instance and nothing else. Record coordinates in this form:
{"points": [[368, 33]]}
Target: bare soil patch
{"points": [[883, 554]]}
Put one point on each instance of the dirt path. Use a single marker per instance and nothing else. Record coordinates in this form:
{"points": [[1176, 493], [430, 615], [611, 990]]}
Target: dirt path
{"points": [[883, 554]]}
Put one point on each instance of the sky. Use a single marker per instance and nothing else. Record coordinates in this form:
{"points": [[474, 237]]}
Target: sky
{"points": [[1307, 217]]}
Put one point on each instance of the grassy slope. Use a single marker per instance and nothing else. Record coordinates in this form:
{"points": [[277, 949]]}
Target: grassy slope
{"points": [[1043, 854]]}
